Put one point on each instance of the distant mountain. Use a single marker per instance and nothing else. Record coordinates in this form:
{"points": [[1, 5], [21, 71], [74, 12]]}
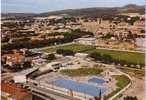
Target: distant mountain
{"points": [[99, 11], [83, 12], [132, 8], [89, 12], [18, 14]]}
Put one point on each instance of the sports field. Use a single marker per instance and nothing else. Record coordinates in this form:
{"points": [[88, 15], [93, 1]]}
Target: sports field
{"points": [[73, 47], [131, 57]]}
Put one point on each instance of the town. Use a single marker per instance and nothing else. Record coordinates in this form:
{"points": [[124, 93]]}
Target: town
{"points": [[66, 57]]}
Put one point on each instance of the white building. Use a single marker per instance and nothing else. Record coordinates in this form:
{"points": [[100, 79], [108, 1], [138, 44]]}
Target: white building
{"points": [[51, 66], [140, 42], [86, 41], [81, 55], [19, 78]]}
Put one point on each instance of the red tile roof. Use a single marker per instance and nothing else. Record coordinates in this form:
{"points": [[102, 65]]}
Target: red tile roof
{"points": [[16, 91]]}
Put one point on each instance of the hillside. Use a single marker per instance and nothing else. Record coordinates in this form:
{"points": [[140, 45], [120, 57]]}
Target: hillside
{"points": [[88, 12], [99, 11]]}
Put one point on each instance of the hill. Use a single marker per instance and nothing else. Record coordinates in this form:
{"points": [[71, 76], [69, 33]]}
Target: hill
{"points": [[98, 11], [88, 12]]}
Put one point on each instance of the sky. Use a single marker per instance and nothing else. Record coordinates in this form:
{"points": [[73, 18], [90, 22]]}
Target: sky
{"points": [[38, 6]]}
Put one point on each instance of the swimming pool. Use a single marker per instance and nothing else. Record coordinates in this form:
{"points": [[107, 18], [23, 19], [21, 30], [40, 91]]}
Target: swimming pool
{"points": [[97, 80], [80, 87]]}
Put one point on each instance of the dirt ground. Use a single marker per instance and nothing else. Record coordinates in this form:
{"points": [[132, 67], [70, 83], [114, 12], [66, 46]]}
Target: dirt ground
{"points": [[136, 89]]}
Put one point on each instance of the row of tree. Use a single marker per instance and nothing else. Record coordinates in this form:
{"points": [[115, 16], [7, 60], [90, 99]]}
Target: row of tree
{"points": [[65, 52], [108, 59]]}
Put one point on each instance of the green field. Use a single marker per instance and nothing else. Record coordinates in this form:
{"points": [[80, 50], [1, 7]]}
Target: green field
{"points": [[73, 47], [81, 71], [122, 81], [130, 57]]}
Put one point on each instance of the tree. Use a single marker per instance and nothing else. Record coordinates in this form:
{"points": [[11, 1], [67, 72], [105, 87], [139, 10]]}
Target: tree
{"points": [[59, 51], [142, 31], [99, 97], [106, 58], [107, 36], [130, 98], [132, 20], [16, 67], [68, 53], [65, 52], [50, 57], [95, 55], [27, 64], [28, 53]]}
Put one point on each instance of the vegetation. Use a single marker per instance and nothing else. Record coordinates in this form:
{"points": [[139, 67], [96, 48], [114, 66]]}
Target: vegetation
{"points": [[142, 31], [99, 97], [107, 36], [27, 43], [134, 72], [130, 98], [65, 52], [50, 57], [107, 56], [122, 57], [111, 94], [18, 67], [73, 47], [81, 71], [132, 20], [122, 81]]}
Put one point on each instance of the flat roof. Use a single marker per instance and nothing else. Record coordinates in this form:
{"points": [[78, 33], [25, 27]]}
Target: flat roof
{"points": [[52, 63], [26, 71]]}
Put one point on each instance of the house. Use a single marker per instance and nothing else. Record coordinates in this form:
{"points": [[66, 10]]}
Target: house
{"points": [[15, 58], [14, 92]]}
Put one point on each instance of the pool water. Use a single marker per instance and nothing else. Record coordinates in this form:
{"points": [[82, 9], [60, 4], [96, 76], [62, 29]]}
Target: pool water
{"points": [[80, 87], [97, 80]]}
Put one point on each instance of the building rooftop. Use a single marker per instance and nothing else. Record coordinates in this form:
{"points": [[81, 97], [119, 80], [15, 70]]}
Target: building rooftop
{"points": [[14, 90]]}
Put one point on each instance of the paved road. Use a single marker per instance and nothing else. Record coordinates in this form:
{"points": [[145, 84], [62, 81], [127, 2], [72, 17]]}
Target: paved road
{"points": [[42, 96]]}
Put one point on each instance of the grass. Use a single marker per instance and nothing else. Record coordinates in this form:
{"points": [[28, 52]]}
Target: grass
{"points": [[73, 47], [131, 57], [81, 72], [122, 81]]}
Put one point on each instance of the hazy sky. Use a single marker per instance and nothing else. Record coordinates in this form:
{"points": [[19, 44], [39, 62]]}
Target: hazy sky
{"points": [[38, 6]]}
